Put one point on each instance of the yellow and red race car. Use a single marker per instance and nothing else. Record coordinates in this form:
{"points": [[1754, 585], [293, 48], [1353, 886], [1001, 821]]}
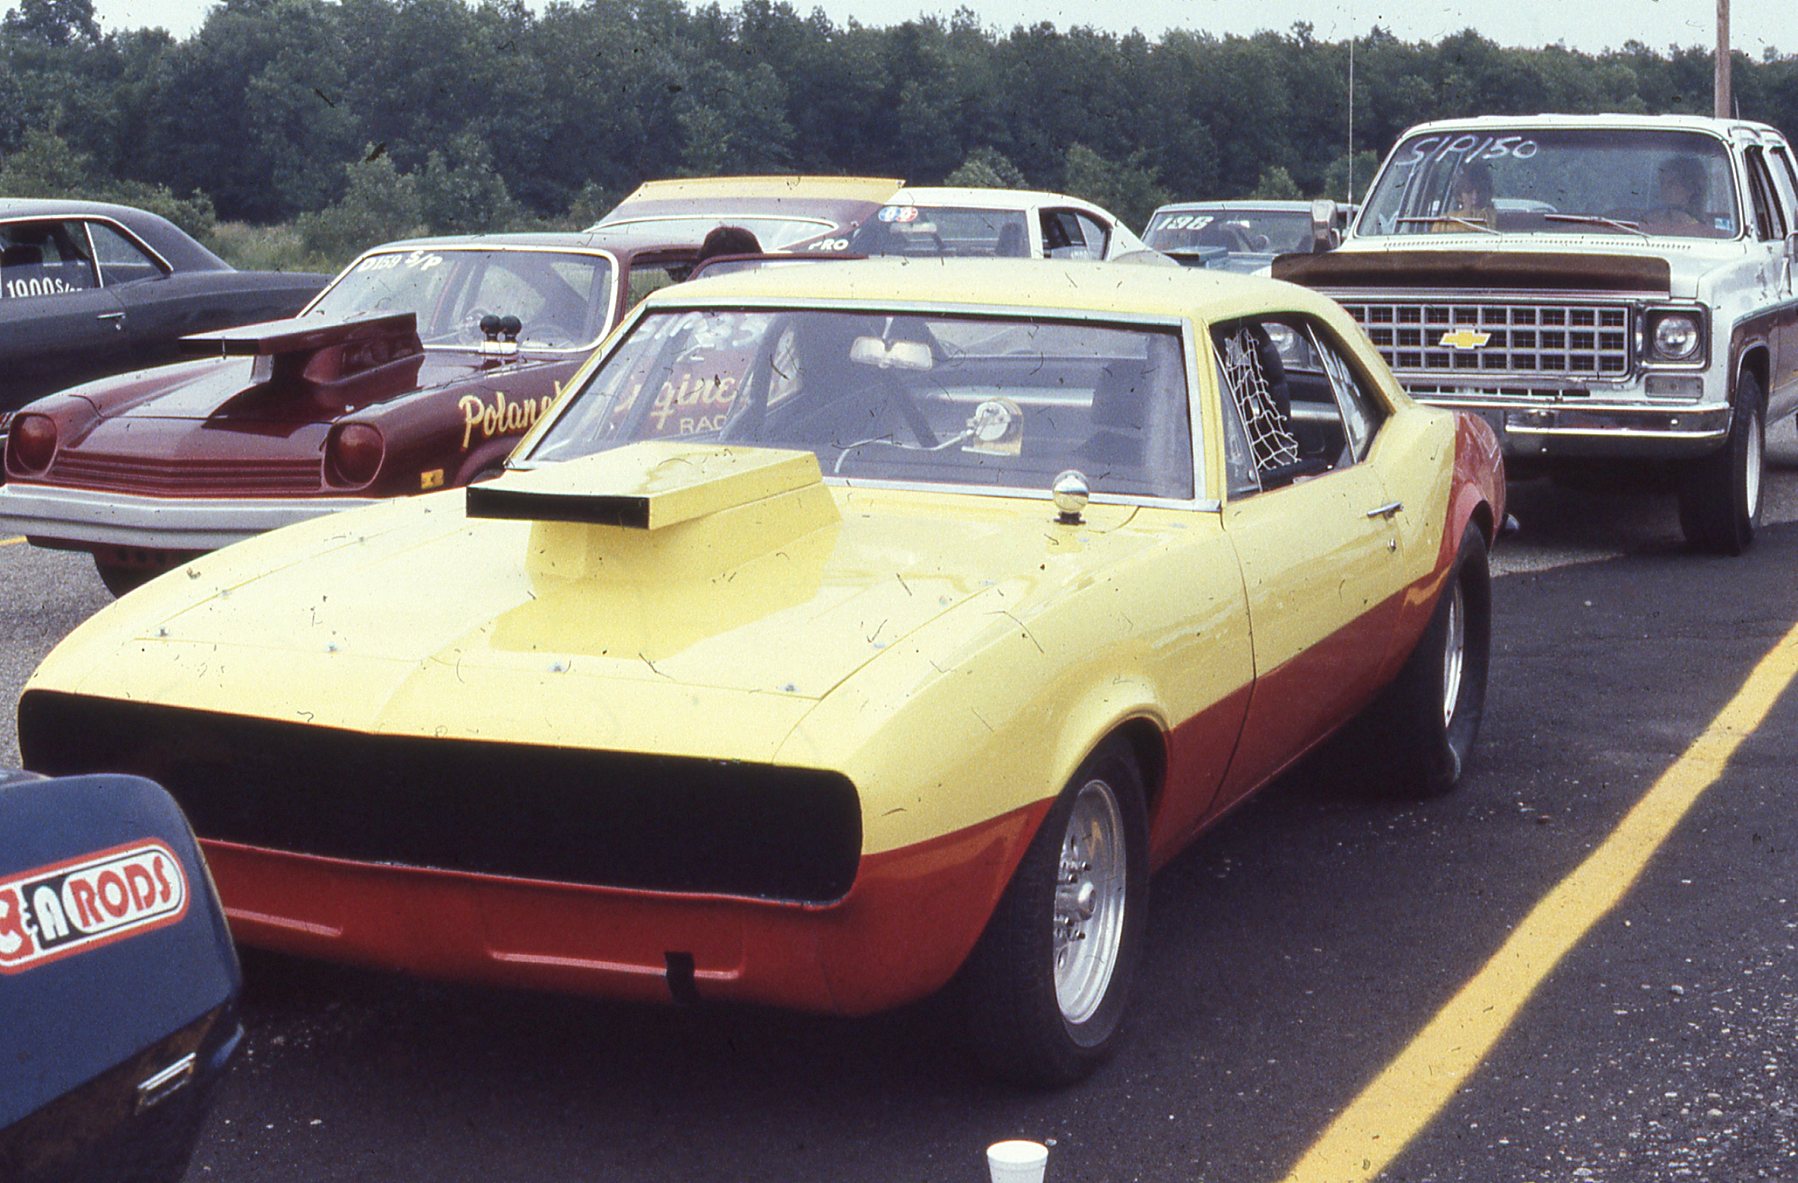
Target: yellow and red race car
{"points": [[844, 629]]}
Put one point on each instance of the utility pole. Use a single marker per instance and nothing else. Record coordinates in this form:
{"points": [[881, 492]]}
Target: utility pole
{"points": [[1723, 104]]}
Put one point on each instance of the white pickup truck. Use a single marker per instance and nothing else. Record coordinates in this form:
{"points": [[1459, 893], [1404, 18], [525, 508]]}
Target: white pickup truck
{"points": [[1601, 288]]}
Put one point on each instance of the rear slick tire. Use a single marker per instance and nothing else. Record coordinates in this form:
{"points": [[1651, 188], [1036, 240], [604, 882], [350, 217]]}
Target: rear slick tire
{"points": [[1046, 988], [1427, 720]]}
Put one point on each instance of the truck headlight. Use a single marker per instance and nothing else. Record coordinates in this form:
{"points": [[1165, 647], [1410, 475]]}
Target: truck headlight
{"points": [[1676, 337]]}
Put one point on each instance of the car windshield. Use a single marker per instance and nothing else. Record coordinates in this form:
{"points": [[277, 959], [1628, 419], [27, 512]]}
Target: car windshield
{"points": [[961, 401], [1556, 180], [943, 230], [561, 299], [773, 234], [1257, 231]]}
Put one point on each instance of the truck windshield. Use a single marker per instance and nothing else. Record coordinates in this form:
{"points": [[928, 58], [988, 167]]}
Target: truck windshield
{"points": [[1613, 181]]}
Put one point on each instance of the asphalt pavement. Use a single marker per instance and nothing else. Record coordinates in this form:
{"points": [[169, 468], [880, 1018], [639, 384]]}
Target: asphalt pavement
{"points": [[1296, 952]]}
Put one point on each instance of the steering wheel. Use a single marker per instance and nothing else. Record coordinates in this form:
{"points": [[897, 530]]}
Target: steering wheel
{"points": [[903, 401]]}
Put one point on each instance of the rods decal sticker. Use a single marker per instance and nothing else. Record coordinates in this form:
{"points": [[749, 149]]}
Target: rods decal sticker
{"points": [[96, 899]]}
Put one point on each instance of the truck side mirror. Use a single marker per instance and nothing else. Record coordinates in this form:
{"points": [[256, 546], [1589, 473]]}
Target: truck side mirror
{"points": [[1324, 235]]}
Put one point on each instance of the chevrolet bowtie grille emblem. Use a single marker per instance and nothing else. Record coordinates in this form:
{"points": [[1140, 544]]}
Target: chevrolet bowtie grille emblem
{"points": [[1465, 339]]}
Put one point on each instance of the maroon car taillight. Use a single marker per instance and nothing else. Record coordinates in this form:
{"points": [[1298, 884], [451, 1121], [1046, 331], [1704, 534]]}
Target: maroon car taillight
{"points": [[354, 453], [32, 443]]}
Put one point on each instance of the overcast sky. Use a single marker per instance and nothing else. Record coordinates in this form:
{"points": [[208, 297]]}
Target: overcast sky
{"points": [[1756, 24]]}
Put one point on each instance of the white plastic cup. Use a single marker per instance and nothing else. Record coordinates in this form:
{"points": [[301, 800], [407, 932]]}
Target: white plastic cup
{"points": [[1017, 1161]]}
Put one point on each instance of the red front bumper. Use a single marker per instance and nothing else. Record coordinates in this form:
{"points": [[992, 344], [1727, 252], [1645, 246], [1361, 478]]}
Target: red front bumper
{"points": [[903, 930]]}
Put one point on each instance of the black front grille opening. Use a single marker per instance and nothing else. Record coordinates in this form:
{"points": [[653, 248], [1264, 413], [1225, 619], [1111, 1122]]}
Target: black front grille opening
{"points": [[615, 819], [682, 990]]}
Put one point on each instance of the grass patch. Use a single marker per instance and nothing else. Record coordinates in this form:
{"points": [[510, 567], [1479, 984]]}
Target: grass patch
{"points": [[268, 248]]}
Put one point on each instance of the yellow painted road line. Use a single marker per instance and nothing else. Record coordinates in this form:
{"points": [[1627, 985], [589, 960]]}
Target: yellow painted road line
{"points": [[1408, 1094], [10, 541]]}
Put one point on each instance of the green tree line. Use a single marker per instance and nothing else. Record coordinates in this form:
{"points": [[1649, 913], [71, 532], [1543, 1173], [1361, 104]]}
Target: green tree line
{"points": [[359, 119]]}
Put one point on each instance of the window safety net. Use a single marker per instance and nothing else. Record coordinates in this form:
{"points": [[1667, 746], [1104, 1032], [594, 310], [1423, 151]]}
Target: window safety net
{"points": [[1270, 439]]}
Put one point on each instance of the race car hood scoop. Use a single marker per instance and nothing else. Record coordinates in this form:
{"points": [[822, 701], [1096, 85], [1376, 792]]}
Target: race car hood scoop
{"points": [[1492, 269], [659, 511], [369, 357]]}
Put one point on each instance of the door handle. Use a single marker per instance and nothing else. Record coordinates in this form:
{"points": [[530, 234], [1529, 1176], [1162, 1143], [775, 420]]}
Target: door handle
{"points": [[153, 1090], [116, 319], [1387, 510]]}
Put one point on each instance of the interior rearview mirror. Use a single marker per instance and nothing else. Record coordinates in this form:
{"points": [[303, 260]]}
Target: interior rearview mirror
{"points": [[891, 355]]}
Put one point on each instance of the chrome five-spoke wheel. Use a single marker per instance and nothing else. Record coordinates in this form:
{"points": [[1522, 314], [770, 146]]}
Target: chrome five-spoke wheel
{"points": [[1049, 981], [1090, 897], [1454, 653]]}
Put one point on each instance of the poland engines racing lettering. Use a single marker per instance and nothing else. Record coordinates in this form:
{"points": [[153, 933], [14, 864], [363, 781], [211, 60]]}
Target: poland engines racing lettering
{"points": [[93, 900]]}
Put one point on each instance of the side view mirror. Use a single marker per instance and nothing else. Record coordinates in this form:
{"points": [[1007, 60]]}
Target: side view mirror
{"points": [[1324, 234]]}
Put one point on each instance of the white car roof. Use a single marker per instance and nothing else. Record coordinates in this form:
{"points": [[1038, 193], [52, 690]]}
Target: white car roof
{"points": [[1122, 240], [988, 198], [1246, 205], [1701, 123]]}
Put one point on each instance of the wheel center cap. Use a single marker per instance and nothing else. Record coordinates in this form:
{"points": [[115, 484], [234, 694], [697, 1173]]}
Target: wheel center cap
{"points": [[1086, 900]]}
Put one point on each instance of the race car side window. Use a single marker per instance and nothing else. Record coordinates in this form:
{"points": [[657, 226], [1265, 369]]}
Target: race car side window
{"points": [[1065, 236], [651, 277], [1098, 235], [1361, 411], [1294, 406], [120, 259], [46, 258]]}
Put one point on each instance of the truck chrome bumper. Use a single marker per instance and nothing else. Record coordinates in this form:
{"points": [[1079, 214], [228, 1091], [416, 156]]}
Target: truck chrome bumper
{"points": [[83, 517], [1599, 429]]}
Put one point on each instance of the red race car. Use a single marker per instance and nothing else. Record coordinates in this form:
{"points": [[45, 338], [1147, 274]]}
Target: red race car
{"points": [[418, 368]]}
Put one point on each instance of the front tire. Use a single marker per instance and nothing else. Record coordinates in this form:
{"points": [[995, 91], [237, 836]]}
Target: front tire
{"points": [[1047, 986], [1720, 494], [120, 579]]}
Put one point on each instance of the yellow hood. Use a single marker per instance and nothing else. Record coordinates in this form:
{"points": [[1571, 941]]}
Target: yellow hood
{"points": [[740, 591]]}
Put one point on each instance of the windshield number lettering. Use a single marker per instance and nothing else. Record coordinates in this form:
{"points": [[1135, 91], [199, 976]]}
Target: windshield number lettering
{"points": [[1472, 147], [20, 288], [412, 261]]}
